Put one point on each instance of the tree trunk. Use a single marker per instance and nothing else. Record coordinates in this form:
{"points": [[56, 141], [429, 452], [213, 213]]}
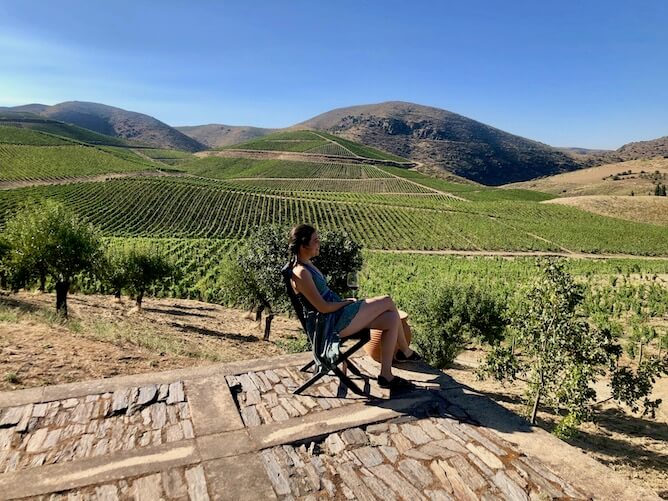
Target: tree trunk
{"points": [[267, 324], [640, 355], [534, 411], [258, 313], [536, 402], [62, 288], [140, 297], [42, 281]]}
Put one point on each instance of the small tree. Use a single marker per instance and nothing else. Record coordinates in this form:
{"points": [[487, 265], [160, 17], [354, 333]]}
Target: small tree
{"points": [[450, 316], [48, 239], [113, 271], [138, 269], [557, 352]]}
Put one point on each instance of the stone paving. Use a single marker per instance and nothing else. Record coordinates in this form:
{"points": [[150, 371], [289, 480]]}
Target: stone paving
{"points": [[433, 458], [235, 431], [33, 435]]}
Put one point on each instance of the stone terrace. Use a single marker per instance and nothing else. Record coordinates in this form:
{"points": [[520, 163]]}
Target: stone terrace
{"points": [[235, 431]]}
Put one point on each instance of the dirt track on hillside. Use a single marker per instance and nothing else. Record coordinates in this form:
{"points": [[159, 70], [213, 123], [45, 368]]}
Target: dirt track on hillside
{"points": [[10, 185], [511, 254]]}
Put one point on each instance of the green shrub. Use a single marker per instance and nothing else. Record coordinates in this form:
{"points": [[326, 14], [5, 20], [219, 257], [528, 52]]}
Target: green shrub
{"points": [[451, 316]]}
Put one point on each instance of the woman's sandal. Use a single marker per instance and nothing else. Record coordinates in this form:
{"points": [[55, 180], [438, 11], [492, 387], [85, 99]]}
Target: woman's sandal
{"points": [[395, 384], [400, 357]]}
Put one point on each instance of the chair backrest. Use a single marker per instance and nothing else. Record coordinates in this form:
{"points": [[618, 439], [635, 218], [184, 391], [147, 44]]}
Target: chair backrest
{"points": [[286, 272]]}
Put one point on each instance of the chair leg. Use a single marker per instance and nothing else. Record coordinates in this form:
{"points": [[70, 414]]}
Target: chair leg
{"points": [[347, 381], [353, 368], [314, 379], [307, 366]]}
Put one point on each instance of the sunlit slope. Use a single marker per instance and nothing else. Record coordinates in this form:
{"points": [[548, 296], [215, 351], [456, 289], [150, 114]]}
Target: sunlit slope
{"points": [[315, 143], [43, 151], [643, 209], [635, 176]]}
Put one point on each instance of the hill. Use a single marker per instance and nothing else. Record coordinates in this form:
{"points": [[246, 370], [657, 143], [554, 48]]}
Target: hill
{"points": [[450, 141], [645, 209], [30, 121], [115, 122], [643, 149], [317, 143], [381, 202], [219, 135], [28, 153], [637, 176]]}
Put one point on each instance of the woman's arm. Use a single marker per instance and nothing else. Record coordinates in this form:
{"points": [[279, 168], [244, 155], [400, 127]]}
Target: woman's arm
{"points": [[307, 287]]}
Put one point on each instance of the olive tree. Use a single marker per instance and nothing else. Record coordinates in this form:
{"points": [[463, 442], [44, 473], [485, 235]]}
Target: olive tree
{"points": [[136, 269], [46, 239]]}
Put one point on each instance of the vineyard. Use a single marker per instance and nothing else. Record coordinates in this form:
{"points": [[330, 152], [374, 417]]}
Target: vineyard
{"points": [[68, 131], [169, 157], [28, 137], [618, 286], [21, 162], [230, 168], [314, 142], [192, 208], [381, 206]]}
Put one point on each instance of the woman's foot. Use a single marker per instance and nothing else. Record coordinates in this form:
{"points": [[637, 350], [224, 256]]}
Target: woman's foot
{"points": [[402, 357], [395, 384]]}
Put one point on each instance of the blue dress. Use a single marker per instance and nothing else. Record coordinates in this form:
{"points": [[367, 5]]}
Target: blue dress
{"points": [[326, 325]]}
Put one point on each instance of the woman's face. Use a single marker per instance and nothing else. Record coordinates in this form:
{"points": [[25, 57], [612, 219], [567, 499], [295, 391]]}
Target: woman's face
{"points": [[313, 247]]}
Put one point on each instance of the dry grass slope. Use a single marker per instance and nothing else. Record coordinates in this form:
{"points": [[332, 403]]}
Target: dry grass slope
{"points": [[648, 209], [611, 179]]}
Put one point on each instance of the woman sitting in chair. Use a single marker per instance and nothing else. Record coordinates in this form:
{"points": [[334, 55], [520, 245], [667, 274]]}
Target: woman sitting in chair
{"points": [[348, 315]]}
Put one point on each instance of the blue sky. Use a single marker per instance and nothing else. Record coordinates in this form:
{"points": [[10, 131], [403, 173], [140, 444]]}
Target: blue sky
{"points": [[569, 73]]}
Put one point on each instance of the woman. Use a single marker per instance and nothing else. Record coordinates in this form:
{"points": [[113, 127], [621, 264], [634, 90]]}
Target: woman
{"points": [[349, 315]]}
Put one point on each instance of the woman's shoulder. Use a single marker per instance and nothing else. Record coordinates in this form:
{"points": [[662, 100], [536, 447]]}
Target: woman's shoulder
{"points": [[301, 271]]}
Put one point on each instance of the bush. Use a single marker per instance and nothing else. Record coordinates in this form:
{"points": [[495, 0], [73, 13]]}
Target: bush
{"points": [[451, 316]]}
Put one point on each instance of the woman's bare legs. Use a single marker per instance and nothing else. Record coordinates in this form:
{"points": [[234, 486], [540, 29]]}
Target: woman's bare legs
{"points": [[381, 313]]}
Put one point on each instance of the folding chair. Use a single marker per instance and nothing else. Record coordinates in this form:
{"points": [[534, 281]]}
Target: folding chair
{"points": [[324, 367]]}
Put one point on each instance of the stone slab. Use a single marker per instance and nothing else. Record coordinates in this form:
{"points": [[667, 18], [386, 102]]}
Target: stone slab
{"points": [[221, 445], [326, 422], [239, 478], [212, 407], [60, 477], [595, 479]]}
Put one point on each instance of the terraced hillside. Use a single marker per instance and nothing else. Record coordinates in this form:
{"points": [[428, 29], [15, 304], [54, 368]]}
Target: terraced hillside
{"points": [[315, 143], [43, 151], [382, 206]]}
